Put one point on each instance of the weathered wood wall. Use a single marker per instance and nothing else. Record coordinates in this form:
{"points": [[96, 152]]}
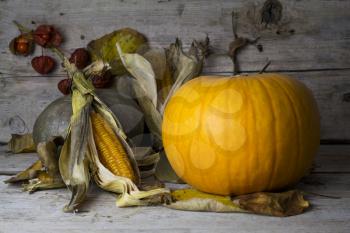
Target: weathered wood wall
{"points": [[310, 42]]}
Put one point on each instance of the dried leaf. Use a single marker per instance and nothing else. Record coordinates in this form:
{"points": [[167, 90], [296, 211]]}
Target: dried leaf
{"points": [[44, 181], [152, 116], [29, 173], [164, 79], [51, 177], [274, 204], [142, 71], [73, 164], [48, 154], [21, 143], [193, 200], [104, 48], [186, 66]]}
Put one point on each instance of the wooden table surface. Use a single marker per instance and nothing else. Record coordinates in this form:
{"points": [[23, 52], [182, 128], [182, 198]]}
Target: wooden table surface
{"points": [[23, 212]]}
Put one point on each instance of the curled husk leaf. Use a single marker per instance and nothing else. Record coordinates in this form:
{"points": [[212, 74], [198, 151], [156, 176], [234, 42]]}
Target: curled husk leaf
{"points": [[29, 173], [104, 48], [142, 71], [161, 68], [44, 173], [172, 68], [185, 65], [50, 177]]}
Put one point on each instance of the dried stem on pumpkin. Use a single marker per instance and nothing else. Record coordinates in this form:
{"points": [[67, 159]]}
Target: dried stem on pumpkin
{"points": [[237, 44]]}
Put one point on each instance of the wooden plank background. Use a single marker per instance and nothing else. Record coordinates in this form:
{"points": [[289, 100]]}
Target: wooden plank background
{"points": [[312, 43]]}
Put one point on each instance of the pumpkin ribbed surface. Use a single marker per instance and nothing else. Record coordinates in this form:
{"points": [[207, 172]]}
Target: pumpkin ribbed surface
{"points": [[242, 134]]}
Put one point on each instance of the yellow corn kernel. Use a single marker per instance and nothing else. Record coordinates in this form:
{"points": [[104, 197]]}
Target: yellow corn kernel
{"points": [[110, 150]]}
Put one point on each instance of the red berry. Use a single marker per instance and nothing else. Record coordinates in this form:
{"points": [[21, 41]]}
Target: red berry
{"points": [[102, 81], [43, 64], [21, 45], [47, 36], [65, 86], [80, 57]]}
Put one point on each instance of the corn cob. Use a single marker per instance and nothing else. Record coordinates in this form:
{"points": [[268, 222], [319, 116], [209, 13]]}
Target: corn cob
{"points": [[110, 150]]}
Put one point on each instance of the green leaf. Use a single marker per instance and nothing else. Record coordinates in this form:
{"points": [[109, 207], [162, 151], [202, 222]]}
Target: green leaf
{"points": [[105, 47]]}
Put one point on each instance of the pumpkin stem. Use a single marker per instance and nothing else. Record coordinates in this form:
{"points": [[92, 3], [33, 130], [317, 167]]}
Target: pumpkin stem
{"points": [[237, 44]]}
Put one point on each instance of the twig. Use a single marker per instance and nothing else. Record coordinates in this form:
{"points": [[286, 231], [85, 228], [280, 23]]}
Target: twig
{"points": [[265, 67], [21, 28], [237, 44]]}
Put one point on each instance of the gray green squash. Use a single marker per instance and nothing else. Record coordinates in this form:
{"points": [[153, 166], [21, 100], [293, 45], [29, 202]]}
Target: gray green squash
{"points": [[54, 119]]}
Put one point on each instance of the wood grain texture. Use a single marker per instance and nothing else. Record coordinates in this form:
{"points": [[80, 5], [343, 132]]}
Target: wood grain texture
{"points": [[310, 35], [330, 159], [311, 40], [22, 212], [23, 98]]}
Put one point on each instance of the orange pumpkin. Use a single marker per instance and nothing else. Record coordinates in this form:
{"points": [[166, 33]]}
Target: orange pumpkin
{"points": [[241, 134]]}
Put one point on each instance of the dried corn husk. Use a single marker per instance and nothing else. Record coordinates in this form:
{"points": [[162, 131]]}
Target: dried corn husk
{"points": [[185, 66], [79, 153], [29, 173], [44, 173], [21, 143], [142, 71], [163, 76]]}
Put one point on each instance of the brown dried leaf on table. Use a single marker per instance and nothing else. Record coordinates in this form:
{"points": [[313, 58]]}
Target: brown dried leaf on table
{"points": [[275, 204], [43, 182], [21, 143], [29, 173], [193, 200]]}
